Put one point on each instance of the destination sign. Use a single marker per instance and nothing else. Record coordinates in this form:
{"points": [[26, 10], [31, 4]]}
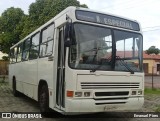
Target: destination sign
{"points": [[106, 19]]}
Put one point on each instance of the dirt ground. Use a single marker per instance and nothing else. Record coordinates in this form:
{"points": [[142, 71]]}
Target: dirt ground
{"points": [[9, 103]]}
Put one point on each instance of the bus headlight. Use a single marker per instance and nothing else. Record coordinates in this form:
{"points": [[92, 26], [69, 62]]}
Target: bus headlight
{"points": [[78, 94], [82, 94], [140, 92], [134, 92], [87, 94]]}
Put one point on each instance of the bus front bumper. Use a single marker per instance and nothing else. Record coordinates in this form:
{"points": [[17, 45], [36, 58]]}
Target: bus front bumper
{"points": [[91, 105]]}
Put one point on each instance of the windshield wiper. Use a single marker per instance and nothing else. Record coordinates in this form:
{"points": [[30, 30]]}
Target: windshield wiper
{"points": [[127, 67], [95, 69]]}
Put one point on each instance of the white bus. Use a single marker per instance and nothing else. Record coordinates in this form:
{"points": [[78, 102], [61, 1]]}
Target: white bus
{"points": [[81, 61]]}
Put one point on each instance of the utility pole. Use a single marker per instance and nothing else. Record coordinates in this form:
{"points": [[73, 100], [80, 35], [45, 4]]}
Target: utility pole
{"points": [[152, 76]]}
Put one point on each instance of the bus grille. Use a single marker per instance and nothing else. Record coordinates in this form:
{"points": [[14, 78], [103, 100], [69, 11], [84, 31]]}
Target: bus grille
{"points": [[113, 97], [124, 93], [109, 85]]}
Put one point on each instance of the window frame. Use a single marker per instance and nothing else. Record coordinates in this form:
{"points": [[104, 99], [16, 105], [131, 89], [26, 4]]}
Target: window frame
{"points": [[20, 52], [113, 42], [52, 39], [28, 49], [13, 62], [90, 24], [31, 38]]}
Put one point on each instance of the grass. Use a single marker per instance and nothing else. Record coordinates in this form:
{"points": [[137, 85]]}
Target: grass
{"points": [[2, 80], [157, 109], [150, 91]]}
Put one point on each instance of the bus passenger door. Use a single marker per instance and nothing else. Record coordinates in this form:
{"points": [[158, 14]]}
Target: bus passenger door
{"points": [[60, 88]]}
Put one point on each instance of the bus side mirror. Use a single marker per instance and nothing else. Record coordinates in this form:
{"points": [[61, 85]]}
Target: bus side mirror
{"points": [[68, 35]]}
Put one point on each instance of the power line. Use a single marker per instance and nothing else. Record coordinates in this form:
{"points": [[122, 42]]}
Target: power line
{"points": [[139, 4], [151, 30], [151, 27], [119, 3], [134, 6]]}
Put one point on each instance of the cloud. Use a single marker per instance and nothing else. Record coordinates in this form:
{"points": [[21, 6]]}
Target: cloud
{"points": [[144, 11], [97, 4], [23, 4], [151, 38]]}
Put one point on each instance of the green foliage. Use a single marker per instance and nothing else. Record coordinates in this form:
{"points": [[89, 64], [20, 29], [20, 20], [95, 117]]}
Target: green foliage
{"points": [[28, 26], [153, 50], [152, 91], [9, 30], [15, 25], [10, 18], [84, 6], [5, 58], [157, 108], [43, 10]]}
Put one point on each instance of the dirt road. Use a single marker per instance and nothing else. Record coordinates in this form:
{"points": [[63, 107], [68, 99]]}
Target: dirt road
{"points": [[9, 103]]}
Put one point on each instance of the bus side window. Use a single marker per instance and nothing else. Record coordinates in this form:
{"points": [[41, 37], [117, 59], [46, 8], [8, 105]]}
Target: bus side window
{"points": [[12, 56], [15, 55], [34, 50], [47, 41], [19, 55], [26, 48]]}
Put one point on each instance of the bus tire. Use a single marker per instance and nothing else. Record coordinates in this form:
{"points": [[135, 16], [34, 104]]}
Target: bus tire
{"points": [[44, 99], [15, 92]]}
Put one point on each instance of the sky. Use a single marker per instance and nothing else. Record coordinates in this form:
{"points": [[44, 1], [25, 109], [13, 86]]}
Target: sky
{"points": [[147, 12]]}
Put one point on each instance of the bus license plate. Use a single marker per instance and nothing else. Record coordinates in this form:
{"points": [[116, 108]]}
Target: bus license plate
{"points": [[110, 108]]}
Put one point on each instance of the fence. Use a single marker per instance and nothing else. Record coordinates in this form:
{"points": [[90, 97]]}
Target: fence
{"points": [[152, 81], [4, 67], [3, 70]]}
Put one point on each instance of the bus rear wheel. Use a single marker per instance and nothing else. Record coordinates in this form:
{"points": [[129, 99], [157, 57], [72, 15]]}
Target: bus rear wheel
{"points": [[44, 99], [15, 92]]}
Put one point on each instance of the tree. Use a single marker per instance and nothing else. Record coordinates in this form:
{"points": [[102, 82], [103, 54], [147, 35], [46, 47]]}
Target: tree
{"points": [[153, 50], [9, 29], [43, 10], [84, 6], [5, 58], [15, 25]]}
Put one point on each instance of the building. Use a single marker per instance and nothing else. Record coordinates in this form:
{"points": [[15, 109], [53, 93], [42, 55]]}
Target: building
{"points": [[3, 65], [2, 54], [151, 64]]}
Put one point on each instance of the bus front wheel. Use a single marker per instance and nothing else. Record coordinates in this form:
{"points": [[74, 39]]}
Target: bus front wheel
{"points": [[44, 99]]}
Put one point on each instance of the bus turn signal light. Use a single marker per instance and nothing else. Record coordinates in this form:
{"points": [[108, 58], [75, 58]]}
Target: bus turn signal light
{"points": [[70, 93], [78, 94]]}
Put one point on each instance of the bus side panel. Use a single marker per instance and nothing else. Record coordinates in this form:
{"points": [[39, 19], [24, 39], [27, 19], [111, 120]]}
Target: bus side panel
{"points": [[45, 72], [15, 70], [35, 94], [19, 76], [11, 73], [29, 77], [19, 86], [32, 76]]}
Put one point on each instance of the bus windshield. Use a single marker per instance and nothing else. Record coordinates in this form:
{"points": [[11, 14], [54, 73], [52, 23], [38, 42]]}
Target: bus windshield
{"points": [[128, 51], [93, 49]]}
